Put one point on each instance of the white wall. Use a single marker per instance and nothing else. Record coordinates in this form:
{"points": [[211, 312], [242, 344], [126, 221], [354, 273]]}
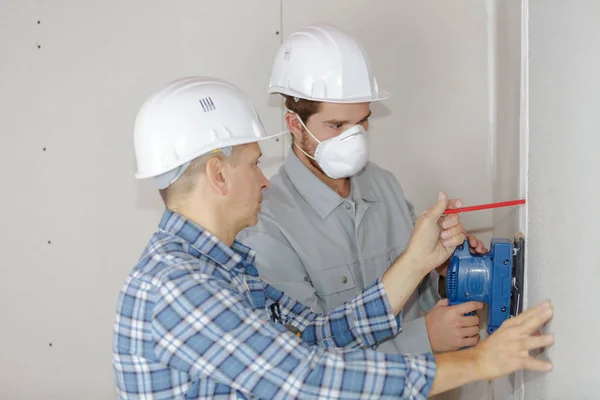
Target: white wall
{"points": [[564, 188], [77, 96], [75, 219]]}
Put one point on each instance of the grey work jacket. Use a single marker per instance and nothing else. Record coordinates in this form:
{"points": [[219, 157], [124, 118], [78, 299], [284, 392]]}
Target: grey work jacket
{"points": [[322, 249]]}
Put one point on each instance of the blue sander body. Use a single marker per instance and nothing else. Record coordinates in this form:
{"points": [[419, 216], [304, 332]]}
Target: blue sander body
{"points": [[495, 278]]}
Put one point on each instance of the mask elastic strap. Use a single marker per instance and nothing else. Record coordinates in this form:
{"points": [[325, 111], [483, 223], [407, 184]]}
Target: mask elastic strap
{"points": [[309, 132], [305, 153], [304, 126]]}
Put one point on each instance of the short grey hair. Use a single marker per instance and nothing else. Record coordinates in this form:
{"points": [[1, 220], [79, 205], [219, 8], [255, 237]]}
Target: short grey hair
{"points": [[182, 180]]}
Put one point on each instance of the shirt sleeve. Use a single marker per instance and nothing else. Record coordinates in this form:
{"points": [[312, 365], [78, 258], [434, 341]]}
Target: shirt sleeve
{"points": [[361, 322], [205, 327]]}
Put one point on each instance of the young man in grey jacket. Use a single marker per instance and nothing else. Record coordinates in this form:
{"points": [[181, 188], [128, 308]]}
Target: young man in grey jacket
{"points": [[332, 221]]}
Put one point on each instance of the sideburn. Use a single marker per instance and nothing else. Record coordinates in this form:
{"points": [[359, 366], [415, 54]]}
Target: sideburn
{"points": [[305, 144]]}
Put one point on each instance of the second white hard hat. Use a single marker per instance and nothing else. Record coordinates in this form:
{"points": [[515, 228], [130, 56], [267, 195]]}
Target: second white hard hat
{"points": [[322, 63]]}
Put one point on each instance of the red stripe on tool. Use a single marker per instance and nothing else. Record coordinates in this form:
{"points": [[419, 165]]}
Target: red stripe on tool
{"points": [[485, 206]]}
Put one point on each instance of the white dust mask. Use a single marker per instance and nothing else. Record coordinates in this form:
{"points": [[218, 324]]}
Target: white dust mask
{"points": [[341, 156]]}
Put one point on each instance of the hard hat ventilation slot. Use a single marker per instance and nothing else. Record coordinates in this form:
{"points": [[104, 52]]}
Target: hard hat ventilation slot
{"points": [[207, 104]]}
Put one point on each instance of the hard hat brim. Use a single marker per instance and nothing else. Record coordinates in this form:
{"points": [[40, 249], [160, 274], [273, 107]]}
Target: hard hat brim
{"points": [[151, 174], [381, 95]]}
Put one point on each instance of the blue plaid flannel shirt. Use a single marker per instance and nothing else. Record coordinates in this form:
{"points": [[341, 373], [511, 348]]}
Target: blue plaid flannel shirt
{"points": [[195, 321]]}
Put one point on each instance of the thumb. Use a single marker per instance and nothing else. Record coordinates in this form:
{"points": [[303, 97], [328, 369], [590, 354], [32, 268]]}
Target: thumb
{"points": [[441, 303], [439, 208]]}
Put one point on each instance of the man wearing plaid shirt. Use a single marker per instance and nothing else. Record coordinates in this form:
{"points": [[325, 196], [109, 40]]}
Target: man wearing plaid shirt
{"points": [[194, 320]]}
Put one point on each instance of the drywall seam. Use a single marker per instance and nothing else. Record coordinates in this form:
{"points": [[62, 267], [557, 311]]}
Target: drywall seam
{"points": [[524, 128], [490, 8], [519, 388]]}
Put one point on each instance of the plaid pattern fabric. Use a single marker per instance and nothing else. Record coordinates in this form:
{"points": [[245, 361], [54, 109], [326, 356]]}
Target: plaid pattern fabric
{"points": [[195, 321]]}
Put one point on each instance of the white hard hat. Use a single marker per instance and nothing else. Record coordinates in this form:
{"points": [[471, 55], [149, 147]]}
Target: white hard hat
{"points": [[322, 63], [188, 118]]}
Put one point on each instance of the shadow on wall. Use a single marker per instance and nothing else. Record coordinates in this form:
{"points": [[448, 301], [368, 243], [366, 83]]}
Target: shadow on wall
{"points": [[275, 101], [147, 196], [380, 110]]}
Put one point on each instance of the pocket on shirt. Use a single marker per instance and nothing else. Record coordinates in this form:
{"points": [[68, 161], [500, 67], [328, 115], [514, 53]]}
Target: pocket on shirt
{"points": [[332, 280]]}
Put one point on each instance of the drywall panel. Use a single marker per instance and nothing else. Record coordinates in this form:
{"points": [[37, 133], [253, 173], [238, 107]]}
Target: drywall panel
{"points": [[437, 60], [563, 190], [72, 77]]}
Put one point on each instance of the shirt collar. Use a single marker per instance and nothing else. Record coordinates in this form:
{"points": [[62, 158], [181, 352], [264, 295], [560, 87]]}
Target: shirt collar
{"points": [[321, 197], [205, 242], [362, 187]]}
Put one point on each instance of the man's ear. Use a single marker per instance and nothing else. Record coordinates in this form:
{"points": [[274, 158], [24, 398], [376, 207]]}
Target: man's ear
{"points": [[294, 125], [216, 175]]}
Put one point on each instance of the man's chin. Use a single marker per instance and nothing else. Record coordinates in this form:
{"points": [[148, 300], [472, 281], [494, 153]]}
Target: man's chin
{"points": [[253, 221]]}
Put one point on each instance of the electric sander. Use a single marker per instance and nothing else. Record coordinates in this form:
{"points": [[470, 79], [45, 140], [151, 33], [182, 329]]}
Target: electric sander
{"points": [[495, 278]]}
